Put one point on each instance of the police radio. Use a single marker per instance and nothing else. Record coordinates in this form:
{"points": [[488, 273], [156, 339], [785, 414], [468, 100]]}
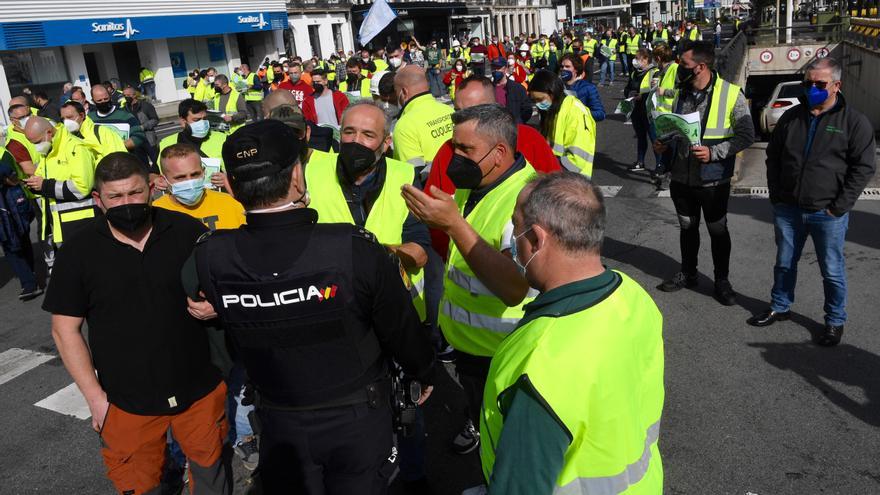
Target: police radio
{"points": [[405, 393]]}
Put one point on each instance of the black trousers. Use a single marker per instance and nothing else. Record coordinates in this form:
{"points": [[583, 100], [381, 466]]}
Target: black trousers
{"points": [[712, 201], [333, 451], [472, 372]]}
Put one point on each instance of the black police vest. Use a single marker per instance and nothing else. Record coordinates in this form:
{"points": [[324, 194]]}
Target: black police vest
{"points": [[291, 330]]}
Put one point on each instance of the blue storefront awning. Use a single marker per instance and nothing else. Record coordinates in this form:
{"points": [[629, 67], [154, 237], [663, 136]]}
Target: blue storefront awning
{"points": [[37, 34]]}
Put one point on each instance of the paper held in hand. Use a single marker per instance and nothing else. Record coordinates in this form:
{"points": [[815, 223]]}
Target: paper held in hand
{"points": [[675, 124], [625, 107]]}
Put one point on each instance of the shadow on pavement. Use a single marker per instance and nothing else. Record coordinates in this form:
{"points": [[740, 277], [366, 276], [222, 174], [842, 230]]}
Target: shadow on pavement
{"points": [[662, 266], [862, 224], [821, 366], [609, 164]]}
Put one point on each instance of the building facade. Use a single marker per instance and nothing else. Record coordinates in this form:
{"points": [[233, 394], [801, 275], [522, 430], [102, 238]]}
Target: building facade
{"points": [[42, 47], [319, 27]]}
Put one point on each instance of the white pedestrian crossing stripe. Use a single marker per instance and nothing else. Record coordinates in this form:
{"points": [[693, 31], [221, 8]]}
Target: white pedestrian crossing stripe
{"points": [[15, 362], [68, 401], [610, 191]]}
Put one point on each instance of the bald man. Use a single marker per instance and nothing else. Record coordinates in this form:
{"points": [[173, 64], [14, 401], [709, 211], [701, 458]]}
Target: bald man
{"points": [[106, 112], [62, 182], [424, 124], [477, 90]]}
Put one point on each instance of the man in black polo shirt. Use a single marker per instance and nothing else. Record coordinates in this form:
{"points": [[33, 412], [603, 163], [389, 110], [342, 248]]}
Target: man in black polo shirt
{"points": [[122, 275]]}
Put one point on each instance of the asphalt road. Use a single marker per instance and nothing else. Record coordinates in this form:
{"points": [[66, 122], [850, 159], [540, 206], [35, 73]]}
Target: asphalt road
{"points": [[748, 411]]}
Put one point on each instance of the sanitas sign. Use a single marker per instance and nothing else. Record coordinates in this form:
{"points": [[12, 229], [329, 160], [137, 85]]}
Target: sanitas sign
{"points": [[119, 29], [255, 21], [106, 30]]}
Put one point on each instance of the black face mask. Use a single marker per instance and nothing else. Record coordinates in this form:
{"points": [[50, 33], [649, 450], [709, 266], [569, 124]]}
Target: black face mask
{"points": [[351, 78], [318, 87], [684, 76], [464, 172], [355, 159], [104, 106], [130, 217]]}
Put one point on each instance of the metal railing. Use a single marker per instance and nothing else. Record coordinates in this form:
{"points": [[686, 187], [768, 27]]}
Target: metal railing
{"points": [[798, 33], [729, 61], [864, 32]]}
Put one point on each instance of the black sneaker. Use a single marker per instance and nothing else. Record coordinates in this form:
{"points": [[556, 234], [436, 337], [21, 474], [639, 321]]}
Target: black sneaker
{"points": [[27, 295], [724, 293], [661, 182], [249, 453], [467, 440], [679, 281], [637, 166]]}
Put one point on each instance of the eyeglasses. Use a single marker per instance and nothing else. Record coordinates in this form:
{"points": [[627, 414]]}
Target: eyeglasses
{"points": [[818, 84]]}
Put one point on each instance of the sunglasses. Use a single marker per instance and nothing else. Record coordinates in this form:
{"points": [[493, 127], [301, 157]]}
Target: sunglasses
{"points": [[818, 84]]}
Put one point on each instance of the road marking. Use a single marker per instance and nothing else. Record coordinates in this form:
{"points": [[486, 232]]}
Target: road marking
{"points": [[15, 362], [664, 194], [68, 401], [610, 191], [870, 194]]}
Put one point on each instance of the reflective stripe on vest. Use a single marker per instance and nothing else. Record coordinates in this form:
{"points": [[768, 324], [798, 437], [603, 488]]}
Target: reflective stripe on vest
{"points": [[568, 142], [608, 398], [71, 205], [645, 85], [664, 103], [474, 320], [719, 124], [632, 44], [387, 215], [252, 94], [613, 485], [231, 107]]}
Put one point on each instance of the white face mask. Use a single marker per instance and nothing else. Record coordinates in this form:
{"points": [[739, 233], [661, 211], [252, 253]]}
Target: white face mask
{"points": [[23, 121], [44, 147], [210, 79], [394, 62], [459, 68], [71, 125], [511, 62]]}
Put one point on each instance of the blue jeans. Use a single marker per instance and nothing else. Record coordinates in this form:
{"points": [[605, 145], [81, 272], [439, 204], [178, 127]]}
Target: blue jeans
{"points": [[624, 61], [22, 262], [435, 83], [607, 66], [793, 225], [239, 425]]}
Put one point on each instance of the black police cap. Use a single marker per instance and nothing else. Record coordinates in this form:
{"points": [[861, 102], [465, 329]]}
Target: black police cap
{"points": [[260, 149]]}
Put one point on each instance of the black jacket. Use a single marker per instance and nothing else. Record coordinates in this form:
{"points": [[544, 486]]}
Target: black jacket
{"points": [[518, 102], [838, 166]]}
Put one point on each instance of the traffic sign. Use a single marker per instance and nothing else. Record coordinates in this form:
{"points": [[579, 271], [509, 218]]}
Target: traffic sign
{"points": [[822, 52], [766, 56], [794, 55]]}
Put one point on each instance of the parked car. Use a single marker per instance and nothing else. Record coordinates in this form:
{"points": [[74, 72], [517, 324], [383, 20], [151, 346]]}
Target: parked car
{"points": [[784, 98]]}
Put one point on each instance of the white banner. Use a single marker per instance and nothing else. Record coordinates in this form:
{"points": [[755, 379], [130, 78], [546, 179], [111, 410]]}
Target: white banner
{"points": [[378, 17]]}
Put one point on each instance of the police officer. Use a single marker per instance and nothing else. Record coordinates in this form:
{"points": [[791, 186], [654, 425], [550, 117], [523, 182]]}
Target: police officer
{"points": [[314, 329]]}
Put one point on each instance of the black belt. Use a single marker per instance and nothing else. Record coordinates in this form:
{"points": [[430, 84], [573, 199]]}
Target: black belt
{"points": [[373, 394]]}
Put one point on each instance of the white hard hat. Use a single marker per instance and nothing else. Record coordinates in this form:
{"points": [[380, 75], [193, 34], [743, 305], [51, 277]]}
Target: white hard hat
{"points": [[374, 82], [524, 47], [455, 43]]}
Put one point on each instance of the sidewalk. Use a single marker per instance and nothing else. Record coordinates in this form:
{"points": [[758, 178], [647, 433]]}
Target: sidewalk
{"points": [[751, 169]]}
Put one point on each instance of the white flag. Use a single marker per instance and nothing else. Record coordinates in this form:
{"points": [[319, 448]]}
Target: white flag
{"points": [[379, 16]]}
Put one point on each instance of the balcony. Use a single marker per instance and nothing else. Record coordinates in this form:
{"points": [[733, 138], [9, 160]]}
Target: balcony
{"points": [[319, 5]]}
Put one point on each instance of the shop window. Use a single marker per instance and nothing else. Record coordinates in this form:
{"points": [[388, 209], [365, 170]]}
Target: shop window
{"points": [[41, 69]]}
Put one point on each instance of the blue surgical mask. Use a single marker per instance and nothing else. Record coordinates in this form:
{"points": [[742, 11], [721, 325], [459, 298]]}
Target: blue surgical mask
{"points": [[816, 96], [544, 105], [566, 75], [514, 253], [188, 192], [497, 76], [200, 129]]}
